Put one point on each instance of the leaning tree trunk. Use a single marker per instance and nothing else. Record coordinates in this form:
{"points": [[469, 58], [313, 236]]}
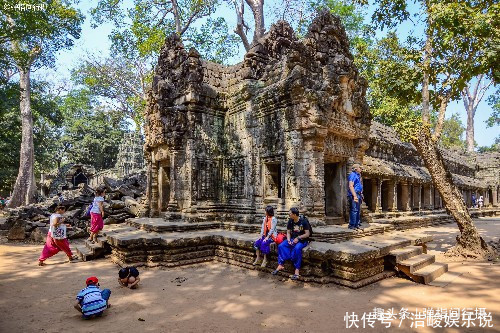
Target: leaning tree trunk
{"points": [[469, 242], [25, 187]]}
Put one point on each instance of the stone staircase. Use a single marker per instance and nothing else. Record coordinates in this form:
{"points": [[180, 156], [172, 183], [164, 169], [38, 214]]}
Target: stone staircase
{"points": [[418, 266], [87, 251]]}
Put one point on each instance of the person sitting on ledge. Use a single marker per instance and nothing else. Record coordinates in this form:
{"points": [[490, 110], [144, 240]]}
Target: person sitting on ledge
{"points": [[268, 234], [128, 277], [297, 234]]}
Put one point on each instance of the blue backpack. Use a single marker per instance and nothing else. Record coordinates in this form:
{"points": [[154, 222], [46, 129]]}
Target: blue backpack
{"points": [[89, 208]]}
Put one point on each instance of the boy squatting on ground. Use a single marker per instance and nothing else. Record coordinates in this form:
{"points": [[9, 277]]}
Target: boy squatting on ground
{"points": [[92, 301], [128, 277]]}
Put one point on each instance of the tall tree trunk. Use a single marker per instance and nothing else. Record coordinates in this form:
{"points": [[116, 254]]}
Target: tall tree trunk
{"points": [[25, 187], [469, 134], [257, 7], [469, 243]]}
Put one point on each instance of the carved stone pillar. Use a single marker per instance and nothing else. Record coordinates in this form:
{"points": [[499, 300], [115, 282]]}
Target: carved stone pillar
{"points": [[392, 196], [405, 197], [417, 200], [494, 199], [153, 205], [172, 202], [428, 197], [376, 194]]}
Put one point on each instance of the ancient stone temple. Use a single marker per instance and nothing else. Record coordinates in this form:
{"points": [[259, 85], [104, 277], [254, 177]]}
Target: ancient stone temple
{"points": [[281, 128], [130, 156], [396, 180]]}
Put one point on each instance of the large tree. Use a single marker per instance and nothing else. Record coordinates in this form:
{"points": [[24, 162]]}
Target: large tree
{"points": [[46, 121], [89, 133], [459, 41], [472, 95], [33, 37], [124, 78], [453, 130]]}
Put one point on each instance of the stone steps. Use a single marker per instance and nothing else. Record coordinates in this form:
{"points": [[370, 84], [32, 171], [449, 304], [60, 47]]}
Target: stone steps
{"points": [[418, 266], [87, 251], [429, 273]]}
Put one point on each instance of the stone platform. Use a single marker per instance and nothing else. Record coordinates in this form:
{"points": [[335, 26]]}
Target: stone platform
{"points": [[337, 254]]}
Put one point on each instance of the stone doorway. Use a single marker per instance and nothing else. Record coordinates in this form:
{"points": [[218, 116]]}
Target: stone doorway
{"points": [[384, 196], [272, 183], [400, 197], [367, 192], [163, 186], [334, 195], [79, 178]]}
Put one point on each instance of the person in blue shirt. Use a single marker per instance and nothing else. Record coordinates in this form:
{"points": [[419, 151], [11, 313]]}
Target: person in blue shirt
{"points": [[355, 197], [298, 231], [92, 301]]}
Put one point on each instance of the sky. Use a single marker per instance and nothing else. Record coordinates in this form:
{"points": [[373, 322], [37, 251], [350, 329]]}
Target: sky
{"points": [[95, 40]]}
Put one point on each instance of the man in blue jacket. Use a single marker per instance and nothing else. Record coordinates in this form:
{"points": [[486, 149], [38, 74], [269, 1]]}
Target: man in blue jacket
{"points": [[355, 197]]}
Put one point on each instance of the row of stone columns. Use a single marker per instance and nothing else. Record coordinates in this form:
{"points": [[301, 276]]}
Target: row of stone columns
{"points": [[416, 196], [412, 196]]}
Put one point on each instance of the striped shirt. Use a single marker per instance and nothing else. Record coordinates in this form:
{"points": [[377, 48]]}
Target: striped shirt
{"points": [[91, 300]]}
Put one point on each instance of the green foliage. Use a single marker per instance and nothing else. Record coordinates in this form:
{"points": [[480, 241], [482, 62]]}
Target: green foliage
{"points": [[37, 35], [220, 47], [463, 40], [148, 22], [494, 102], [118, 80], [453, 130], [46, 118], [90, 134], [495, 147]]}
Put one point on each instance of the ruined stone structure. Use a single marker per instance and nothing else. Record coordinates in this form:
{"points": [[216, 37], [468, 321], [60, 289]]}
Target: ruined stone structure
{"points": [[281, 128], [395, 178], [488, 168], [130, 158], [67, 178]]}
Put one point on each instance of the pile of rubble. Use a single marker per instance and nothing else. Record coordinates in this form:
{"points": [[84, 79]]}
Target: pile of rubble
{"points": [[124, 199]]}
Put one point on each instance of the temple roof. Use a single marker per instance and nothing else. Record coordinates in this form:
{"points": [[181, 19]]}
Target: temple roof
{"points": [[376, 166]]}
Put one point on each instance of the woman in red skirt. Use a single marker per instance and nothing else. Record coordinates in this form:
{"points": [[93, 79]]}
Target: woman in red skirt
{"points": [[97, 215], [56, 238]]}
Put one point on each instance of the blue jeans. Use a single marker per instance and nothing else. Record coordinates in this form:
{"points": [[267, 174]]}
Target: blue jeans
{"points": [[354, 212], [291, 252]]}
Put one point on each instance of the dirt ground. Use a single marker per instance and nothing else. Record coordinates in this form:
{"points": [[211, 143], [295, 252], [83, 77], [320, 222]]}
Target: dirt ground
{"points": [[221, 298]]}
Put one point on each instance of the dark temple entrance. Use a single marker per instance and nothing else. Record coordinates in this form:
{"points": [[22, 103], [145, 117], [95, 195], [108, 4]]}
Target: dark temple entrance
{"points": [[335, 192]]}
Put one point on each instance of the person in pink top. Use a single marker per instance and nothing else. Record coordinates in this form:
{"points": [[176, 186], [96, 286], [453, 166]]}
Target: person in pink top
{"points": [[53, 243], [97, 215]]}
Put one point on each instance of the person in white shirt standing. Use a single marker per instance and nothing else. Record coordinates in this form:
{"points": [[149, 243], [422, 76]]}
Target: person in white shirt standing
{"points": [[97, 215], [56, 238]]}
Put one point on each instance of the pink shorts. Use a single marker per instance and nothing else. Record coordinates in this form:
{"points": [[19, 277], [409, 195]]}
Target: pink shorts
{"points": [[96, 222]]}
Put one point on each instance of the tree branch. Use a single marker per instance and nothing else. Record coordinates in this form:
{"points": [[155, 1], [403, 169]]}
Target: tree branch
{"points": [[177, 17], [257, 7], [189, 21], [442, 111], [240, 10]]}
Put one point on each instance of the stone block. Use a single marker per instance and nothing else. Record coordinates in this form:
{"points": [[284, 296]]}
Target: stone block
{"points": [[39, 235], [18, 231]]}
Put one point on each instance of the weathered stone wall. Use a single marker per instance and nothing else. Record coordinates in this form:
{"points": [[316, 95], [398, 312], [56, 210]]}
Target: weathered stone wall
{"points": [[230, 140], [130, 158]]}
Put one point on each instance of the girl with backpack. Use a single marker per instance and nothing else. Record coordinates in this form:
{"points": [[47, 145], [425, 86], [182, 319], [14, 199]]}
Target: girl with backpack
{"points": [[97, 215], [268, 234]]}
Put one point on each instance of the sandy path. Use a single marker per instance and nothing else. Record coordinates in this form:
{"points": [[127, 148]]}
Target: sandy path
{"points": [[222, 298]]}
